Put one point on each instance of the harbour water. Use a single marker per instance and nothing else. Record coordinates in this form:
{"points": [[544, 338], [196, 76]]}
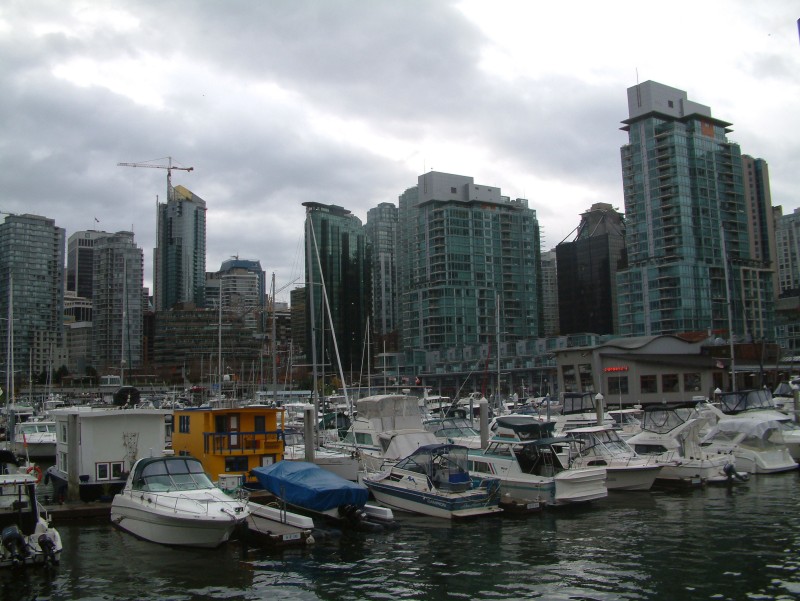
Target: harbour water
{"points": [[718, 543]]}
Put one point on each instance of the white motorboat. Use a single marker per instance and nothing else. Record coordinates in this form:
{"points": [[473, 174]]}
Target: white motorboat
{"points": [[671, 435], [35, 438], [170, 500], [455, 430], [26, 536], [579, 409], [602, 445], [755, 439], [435, 481], [276, 527], [527, 459]]}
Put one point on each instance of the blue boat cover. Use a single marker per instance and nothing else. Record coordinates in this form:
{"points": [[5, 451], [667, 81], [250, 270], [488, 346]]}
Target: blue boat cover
{"points": [[307, 485]]}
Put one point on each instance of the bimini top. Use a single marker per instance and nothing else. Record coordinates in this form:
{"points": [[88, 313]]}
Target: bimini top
{"points": [[308, 485]]}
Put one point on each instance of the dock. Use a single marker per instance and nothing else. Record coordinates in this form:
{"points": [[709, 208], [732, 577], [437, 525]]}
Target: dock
{"points": [[78, 510]]}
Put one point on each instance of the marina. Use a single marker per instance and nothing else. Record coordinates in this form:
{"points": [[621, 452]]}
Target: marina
{"points": [[711, 543]]}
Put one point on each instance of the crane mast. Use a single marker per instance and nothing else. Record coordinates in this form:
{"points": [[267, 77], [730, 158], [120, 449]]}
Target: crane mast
{"points": [[151, 164]]}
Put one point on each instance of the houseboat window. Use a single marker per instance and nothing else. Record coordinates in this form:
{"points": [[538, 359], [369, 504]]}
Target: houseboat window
{"points": [[62, 432], [101, 471], [183, 424], [649, 384], [669, 383], [260, 423], [117, 469], [61, 462], [236, 464]]}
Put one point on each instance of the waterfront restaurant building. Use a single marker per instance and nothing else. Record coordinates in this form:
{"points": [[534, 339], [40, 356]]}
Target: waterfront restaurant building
{"points": [[644, 370]]}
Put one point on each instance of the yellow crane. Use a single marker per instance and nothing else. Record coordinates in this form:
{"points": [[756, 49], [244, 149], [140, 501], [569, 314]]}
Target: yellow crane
{"points": [[151, 164]]}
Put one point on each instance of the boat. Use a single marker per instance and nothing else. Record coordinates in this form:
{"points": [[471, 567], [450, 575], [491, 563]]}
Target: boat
{"points": [[26, 535], [455, 430], [97, 448], [529, 461], [171, 501], [435, 481], [671, 436], [579, 409], [274, 526], [308, 488], [756, 440], [35, 438], [625, 470], [342, 463]]}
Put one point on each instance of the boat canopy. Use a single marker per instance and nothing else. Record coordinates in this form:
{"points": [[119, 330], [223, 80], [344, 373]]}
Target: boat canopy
{"points": [[525, 428], [444, 464], [165, 474], [745, 400], [751, 427], [308, 485]]}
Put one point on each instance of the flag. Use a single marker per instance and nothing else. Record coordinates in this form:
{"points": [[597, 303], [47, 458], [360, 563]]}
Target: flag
{"points": [[96, 220]]}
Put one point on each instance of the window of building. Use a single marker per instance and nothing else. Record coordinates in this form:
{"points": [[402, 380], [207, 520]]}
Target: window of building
{"points": [[670, 383], [568, 375], [102, 471], [236, 464], [648, 384], [260, 423], [691, 382], [587, 381], [183, 424], [618, 385], [117, 469]]}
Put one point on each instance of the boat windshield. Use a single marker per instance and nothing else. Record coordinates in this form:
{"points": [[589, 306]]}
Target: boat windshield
{"points": [[744, 400], [173, 475], [665, 420]]}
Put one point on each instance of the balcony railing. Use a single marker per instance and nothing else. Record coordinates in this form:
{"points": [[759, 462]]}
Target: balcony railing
{"points": [[242, 443]]}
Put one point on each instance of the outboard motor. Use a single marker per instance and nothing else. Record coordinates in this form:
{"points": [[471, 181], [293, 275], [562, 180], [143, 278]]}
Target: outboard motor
{"points": [[732, 474], [14, 544], [48, 547]]}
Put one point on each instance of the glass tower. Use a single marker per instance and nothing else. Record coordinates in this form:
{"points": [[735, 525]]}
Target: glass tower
{"points": [[32, 257], [381, 231], [690, 266], [466, 254], [179, 259], [336, 241]]}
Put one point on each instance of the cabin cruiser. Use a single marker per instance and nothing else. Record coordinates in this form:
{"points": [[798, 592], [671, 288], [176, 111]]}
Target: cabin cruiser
{"points": [[531, 465], [579, 409], [170, 500], [763, 438], [602, 445], [435, 481], [671, 436], [455, 430], [26, 536], [35, 438]]}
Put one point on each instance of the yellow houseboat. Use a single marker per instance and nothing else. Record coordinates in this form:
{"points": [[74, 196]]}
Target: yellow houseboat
{"points": [[230, 439]]}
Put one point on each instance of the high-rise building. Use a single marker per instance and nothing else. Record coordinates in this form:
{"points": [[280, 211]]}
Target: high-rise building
{"points": [[80, 254], [336, 245], [381, 229], [32, 265], [179, 259], [117, 303], [690, 266], [787, 241], [760, 217], [587, 270], [466, 254], [243, 291], [550, 311]]}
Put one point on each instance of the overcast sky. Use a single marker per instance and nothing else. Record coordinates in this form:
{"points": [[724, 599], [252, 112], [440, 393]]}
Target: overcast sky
{"points": [[275, 103]]}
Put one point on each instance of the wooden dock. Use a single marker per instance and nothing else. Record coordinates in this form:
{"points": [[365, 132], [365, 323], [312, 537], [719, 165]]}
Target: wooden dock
{"points": [[78, 510]]}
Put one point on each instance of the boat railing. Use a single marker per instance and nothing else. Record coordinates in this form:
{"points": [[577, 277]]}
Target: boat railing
{"points": [[176, 503], [243, 443]]}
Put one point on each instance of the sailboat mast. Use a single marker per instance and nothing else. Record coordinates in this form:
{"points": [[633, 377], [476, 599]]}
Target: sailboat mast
{"points": [[274, 345]]}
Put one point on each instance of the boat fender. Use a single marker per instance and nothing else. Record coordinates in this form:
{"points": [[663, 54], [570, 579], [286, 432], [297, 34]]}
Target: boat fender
{"points": [[37, 471]]}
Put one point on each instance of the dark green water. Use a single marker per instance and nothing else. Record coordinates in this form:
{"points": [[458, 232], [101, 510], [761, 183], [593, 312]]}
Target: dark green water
{"points": [[717, 543]]}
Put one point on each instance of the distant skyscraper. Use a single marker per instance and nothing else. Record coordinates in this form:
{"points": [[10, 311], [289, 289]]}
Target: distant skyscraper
{"points": [[550, 293], [243, 290], [760, 218], [381, 231], [32, 254], [80, 254], [462, 248], [787, 235], [337, 241], [117, 293], [179, 259], [683, 187], [587, 270]]}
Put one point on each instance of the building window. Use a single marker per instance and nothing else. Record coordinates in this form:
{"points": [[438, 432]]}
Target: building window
{"points": [[260, 423], [183, 424], [648, 384], [669, 383], [568, 375], [691, 382], [117, 469], [236, 464], [101, 471], [62, 432], [587, 381], [617, 385]]}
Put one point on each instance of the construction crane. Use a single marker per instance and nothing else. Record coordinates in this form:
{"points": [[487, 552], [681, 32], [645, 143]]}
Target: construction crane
{"points": [[152, 165]]}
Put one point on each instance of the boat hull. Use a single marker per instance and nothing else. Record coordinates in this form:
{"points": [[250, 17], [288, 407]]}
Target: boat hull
{"points": [[580, 485], [433, 504], [160, 519], [640, 477], [277, 527]]}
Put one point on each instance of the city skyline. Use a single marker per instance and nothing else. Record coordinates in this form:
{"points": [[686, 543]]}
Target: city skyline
{"points": [[279, 104]]}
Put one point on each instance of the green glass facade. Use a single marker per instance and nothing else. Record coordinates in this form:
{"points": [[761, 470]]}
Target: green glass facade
{"points": [[683, 187], [337, 244], [462, 249]]}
